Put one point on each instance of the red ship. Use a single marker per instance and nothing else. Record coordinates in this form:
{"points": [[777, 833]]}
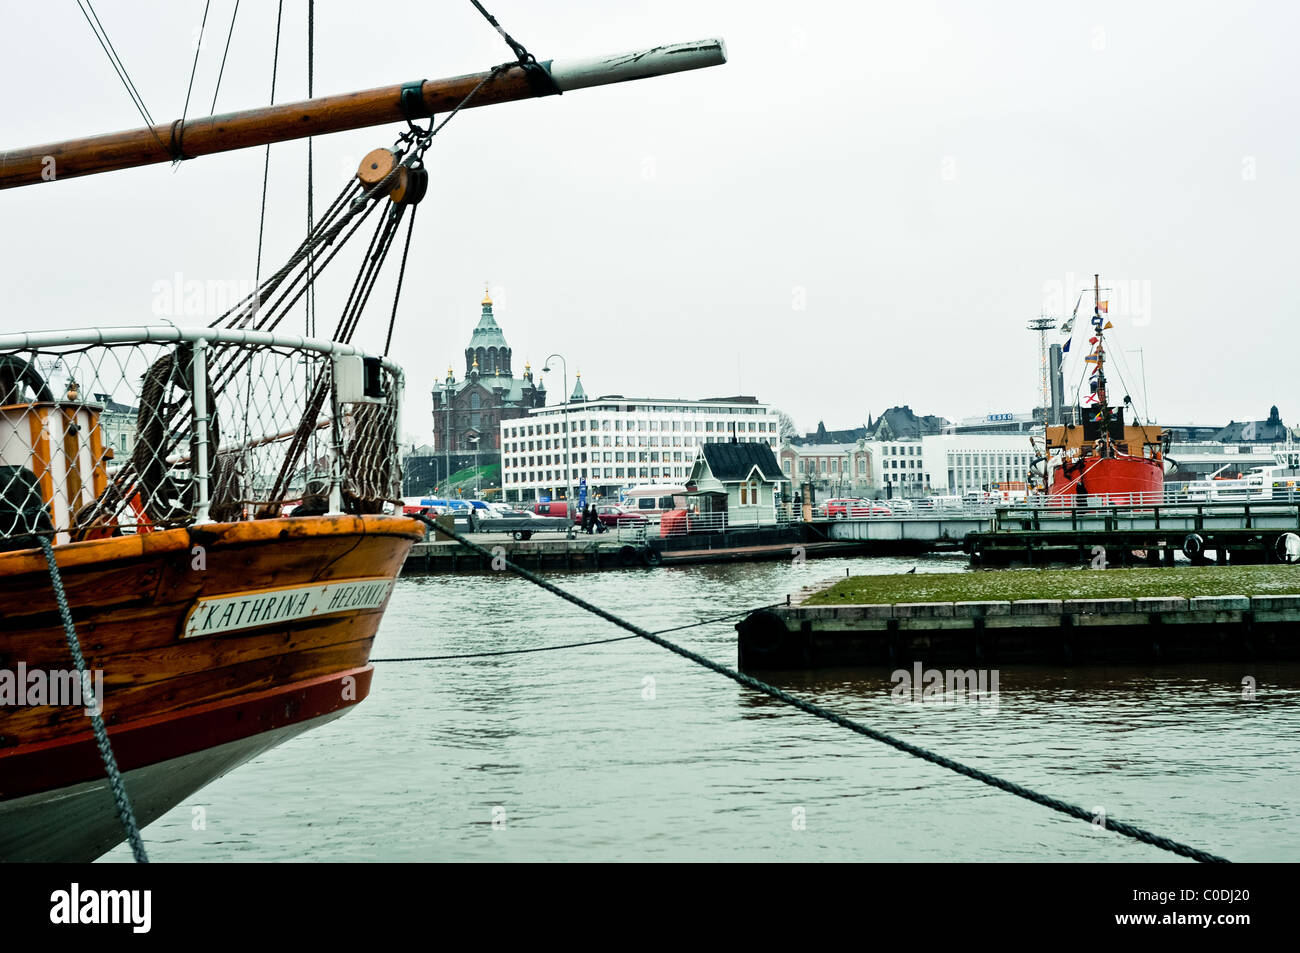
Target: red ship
{"points": [[1103, 458]]}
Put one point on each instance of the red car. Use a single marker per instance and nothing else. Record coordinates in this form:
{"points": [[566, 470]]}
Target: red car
{"points": [[616, 516], [559, 509], [842, 509]]}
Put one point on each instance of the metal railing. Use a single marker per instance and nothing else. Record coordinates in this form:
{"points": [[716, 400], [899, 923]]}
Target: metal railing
{"points": [[1172, 495], [126, 430], [881, 512], [743, 518], [1179, 516]]}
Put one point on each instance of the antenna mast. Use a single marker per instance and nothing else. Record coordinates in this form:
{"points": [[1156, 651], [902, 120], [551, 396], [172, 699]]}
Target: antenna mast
{"points": [[1042, 325]]}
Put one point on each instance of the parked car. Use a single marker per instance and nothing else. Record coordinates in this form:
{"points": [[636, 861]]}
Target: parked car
{"points": [[845, 509], [521, 524], [900, 506], [616, 516], [558, 508]]}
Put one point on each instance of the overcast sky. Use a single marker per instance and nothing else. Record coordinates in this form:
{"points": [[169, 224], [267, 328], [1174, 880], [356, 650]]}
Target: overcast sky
{"points": [[862, 208]]}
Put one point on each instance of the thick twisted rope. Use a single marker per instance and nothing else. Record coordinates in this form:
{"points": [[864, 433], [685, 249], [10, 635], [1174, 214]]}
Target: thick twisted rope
{"points": [[120, 798]]}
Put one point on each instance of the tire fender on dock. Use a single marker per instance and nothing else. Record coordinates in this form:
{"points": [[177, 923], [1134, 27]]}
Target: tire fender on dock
{"points": [[763, 640], [1287, 548]]}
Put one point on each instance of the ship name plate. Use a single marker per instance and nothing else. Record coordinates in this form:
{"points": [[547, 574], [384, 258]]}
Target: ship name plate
{"points": [[247, 610]]}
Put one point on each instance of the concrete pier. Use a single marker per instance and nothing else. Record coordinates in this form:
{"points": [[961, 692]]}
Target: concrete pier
{"points": [[1052, 631]]}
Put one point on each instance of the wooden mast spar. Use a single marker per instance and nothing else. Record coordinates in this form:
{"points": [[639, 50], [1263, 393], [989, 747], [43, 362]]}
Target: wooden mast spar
{"points": [[316, 117]]}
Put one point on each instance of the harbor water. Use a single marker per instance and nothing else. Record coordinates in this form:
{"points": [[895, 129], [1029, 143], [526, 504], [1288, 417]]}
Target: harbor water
{"points": [[624, 751]]}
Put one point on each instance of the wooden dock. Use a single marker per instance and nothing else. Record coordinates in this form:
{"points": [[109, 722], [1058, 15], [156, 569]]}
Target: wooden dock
{"points": [[1051, 631], [558, 553]]}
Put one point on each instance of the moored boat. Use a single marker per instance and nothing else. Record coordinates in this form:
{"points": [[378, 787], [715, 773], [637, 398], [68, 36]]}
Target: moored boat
{"points": [[1104, 458], [213, 627]]}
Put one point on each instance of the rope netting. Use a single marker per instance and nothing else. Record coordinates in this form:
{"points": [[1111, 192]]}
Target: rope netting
{"points": [[101, 439]]}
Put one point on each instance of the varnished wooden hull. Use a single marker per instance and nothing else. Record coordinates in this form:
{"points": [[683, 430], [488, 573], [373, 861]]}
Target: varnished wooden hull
{"points": [[173, 691]]}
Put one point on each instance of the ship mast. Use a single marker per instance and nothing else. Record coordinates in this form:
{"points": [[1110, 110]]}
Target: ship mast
{"points": [[1103, 442], [178, 140]]}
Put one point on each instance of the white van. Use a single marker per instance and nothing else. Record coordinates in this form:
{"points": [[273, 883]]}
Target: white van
{"points": [[652, 500]]}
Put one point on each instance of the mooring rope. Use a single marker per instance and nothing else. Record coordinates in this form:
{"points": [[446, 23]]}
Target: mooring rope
{"points": [[120, 798], [573, 645], [1072, 810]]}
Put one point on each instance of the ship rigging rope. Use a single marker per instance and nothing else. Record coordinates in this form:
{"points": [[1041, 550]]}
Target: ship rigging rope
{"points": [[120, 798], [401, 274], [119, 67], [576, 645], [542, 82], [178, 143], [266, 162], [309, 308], [222, 72], [811, 708]]}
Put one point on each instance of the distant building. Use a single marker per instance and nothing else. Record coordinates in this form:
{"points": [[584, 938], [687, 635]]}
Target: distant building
{"points": [[467, 413], [837, 468], [823, 436], [117, 424], [1271, 430], [955, 464], [900, 467], [999, 423], [901, 423], [619, 441]]}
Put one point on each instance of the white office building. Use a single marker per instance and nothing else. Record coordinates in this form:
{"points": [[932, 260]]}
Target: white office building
{"points": [[956, 464], [616, 442], [900, 465]]}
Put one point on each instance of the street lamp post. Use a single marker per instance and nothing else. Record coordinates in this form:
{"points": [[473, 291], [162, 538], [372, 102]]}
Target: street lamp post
{"points": [[446, 442], [568, 440], [477, 481]]}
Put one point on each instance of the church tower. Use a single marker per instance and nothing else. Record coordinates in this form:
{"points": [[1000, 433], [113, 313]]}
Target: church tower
{"points": [[487, 346]]}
